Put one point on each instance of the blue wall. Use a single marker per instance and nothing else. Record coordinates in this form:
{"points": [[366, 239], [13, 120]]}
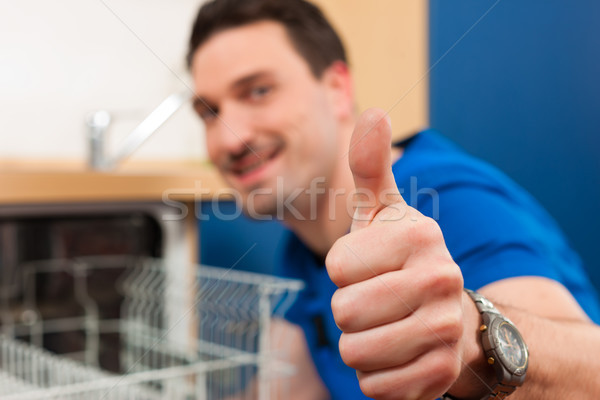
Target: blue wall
{"points": [[239, 243], [521, 90]]}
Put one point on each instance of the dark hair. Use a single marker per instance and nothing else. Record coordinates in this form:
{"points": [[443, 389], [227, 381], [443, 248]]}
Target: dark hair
{"points": [[310, 32]]}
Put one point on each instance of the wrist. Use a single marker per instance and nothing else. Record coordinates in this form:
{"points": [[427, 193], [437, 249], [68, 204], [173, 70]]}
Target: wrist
{"points": [[504, 349], [476, 376]]}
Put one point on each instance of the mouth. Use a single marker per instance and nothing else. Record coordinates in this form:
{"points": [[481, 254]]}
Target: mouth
{"points": [[248, 165]]}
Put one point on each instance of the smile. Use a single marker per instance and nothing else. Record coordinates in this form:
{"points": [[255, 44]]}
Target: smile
{"points": [[252, 160]]}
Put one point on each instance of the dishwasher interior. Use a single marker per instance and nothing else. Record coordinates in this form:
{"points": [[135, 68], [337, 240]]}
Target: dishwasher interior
{"points": [[91, 309]]}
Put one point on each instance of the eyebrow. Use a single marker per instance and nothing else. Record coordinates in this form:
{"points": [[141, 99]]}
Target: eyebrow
{"points": [[244, 81]]}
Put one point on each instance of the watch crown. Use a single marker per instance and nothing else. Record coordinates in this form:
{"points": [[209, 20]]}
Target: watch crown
{"points": [[483, 328], [491, 360]]}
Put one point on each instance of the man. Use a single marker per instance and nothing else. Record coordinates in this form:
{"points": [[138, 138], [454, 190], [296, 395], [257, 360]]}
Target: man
{"points": [[276, 95]]}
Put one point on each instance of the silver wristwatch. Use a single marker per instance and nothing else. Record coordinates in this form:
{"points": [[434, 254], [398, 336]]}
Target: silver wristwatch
{"points": [[504, 349]]}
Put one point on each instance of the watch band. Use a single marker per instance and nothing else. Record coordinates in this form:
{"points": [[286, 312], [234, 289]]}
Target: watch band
{"points": [[506, 383], [500, 396], [483, 305]]}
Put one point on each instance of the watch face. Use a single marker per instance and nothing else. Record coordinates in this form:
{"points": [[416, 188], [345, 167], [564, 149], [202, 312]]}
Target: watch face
{"points": [[510, 345]]}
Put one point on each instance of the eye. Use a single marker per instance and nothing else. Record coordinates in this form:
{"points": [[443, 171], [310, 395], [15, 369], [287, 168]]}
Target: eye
{"points": [[208, 115], [205, 112], [258, 92]]}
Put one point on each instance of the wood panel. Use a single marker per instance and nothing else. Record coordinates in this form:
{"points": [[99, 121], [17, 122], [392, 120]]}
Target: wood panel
{"points": [[387, 44], [37, 182]]}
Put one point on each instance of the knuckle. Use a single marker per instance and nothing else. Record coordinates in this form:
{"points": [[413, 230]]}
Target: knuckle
{"points": [[449, 327], [446, 281], [342, 307], [425, 232], [445, 369], [370, 389], [350, 351], [334, 263], [376, 386]]}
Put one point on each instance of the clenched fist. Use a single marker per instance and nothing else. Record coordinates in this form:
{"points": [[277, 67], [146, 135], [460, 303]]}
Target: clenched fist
{"points": [[399, 301]]}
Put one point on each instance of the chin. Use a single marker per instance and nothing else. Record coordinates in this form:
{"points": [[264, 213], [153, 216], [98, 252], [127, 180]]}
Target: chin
{"points": [[262, 209]]}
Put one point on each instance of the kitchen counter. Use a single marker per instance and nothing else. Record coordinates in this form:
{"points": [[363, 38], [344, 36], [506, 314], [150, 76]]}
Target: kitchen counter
{"points": [[29, 182], [167, 191]]}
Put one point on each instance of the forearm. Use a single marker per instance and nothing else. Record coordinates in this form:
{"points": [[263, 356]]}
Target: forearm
{"points": [[563, 343], [564, 357]]}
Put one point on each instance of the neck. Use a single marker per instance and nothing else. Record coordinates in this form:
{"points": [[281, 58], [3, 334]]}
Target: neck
{"points": [[332, 219], [332, 222], [334, 208]]}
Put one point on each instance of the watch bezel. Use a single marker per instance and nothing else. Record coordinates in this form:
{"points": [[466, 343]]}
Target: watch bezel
{"points": [[512, 368]]}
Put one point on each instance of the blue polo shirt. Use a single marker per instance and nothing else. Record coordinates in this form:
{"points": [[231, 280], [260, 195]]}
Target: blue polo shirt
{"points": [[492, 228]]}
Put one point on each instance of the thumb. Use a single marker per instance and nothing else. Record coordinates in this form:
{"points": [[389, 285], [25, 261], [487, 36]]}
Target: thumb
{"points": [[371, 164]]}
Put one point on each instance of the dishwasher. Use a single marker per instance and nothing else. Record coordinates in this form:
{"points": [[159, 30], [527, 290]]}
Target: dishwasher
{"points": [[206, 333]]}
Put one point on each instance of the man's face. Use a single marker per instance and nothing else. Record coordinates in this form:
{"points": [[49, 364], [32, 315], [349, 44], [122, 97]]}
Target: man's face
{"points": [[274, 128]]}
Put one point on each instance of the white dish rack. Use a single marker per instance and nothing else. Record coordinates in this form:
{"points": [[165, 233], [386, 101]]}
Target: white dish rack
{"points": [[205, 334]]}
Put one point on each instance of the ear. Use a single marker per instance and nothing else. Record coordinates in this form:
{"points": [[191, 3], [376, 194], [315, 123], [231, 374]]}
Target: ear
{"points": [[338, 80]]}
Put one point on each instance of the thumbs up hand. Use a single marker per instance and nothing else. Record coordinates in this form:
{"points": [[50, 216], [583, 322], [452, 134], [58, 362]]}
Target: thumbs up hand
{"points": [[399, 298]]}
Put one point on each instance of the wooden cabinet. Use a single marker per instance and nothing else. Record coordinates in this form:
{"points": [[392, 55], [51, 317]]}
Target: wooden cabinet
{"points": [[388, 45]]}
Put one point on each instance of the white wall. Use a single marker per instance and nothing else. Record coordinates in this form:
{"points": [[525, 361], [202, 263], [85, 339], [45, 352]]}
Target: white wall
{"points": [[61, 59]]}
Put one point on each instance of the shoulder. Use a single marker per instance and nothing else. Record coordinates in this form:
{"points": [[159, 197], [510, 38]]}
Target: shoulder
{"points": [[431, 157], [493, 228]]}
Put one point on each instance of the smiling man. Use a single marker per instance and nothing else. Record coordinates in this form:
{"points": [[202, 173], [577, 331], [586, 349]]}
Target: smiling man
{"points": [[385, 300], [271, 126]]}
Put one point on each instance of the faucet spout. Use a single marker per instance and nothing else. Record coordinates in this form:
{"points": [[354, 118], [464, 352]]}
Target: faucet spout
{"points": [[98, 124]]}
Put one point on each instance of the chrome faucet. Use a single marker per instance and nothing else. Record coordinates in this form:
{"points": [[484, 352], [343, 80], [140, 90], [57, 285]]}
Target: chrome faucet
{"points": [[99, 121]]}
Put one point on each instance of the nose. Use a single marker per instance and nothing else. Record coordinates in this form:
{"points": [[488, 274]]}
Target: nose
{"points": [[235, 130]]}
